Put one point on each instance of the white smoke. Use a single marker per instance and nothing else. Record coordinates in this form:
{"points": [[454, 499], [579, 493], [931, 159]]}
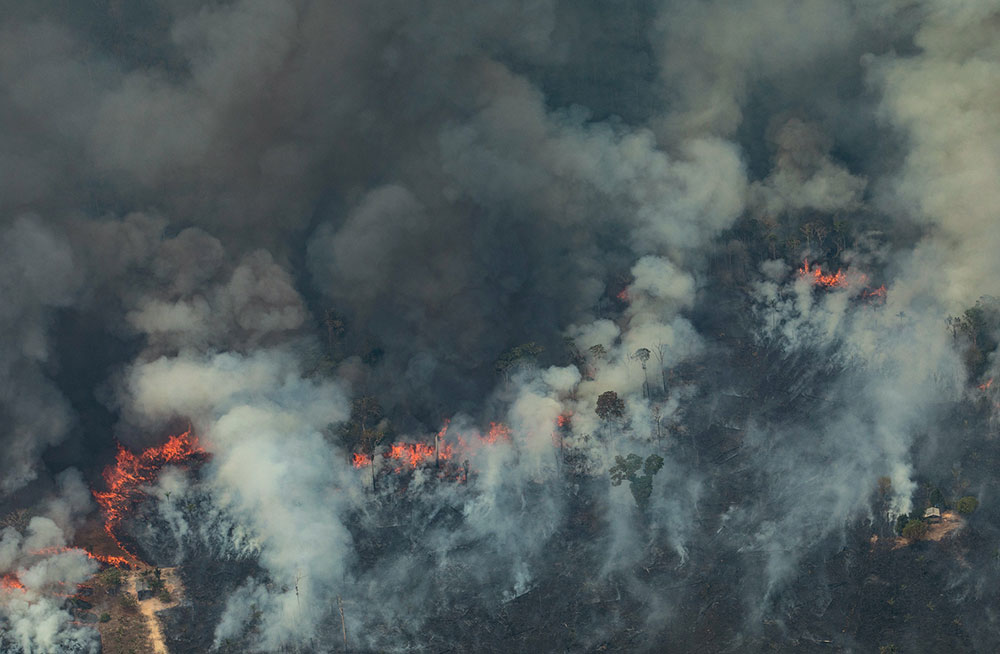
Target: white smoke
{"points": [[272, 472], [32, 615]]}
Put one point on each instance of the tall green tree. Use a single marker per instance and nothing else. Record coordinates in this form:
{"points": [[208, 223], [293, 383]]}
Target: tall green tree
{"points": [[609, 406], [641, 485], [967, 504], [518, 356]]}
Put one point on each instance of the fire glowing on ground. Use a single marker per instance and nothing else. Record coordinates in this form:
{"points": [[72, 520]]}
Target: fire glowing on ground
{"points": [[839, 279], [413, 455], [10, 582], [106, 559], [816, 276], [130, 473]]}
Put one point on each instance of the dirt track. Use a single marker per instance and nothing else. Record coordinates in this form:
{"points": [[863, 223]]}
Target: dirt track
{"points": [[149, 607]]}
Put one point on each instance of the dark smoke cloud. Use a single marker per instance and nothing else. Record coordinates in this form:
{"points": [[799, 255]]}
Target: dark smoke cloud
{"points": [[269, 208], [39, 271]]}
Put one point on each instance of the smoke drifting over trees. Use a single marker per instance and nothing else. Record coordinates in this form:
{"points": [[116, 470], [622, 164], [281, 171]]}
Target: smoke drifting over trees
{"points": [[751, 243]]}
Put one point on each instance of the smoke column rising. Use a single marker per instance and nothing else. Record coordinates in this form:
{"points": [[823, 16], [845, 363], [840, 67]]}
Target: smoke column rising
{"points": [[266, 210]]}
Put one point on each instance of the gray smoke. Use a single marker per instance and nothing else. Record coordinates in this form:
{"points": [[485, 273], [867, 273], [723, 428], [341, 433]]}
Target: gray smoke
{"points": [[33, 617], [269, 209]]}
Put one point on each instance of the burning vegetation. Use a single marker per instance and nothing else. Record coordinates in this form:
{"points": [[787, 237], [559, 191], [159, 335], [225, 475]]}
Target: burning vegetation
{"points": [[59, 580], [449, 456], [131, 473], [589, 221], [10, 582], [816, 276], [840, 280]]}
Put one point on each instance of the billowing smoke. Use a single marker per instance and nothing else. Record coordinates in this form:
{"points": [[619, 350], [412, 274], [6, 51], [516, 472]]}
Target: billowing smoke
{"points": [[39, 266], [620, 319], [37, 570]]}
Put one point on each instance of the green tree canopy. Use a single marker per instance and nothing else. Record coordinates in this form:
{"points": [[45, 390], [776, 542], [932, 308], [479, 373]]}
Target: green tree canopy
{"points": [[642, 490], [915, 529], [967, 504], [519, 355], [609, 405], [653, 464], [626, 468]]}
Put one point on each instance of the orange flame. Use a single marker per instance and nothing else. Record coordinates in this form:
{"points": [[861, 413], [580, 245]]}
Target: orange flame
{"points": [[839, 280], [875, 292], [498, 431], [564, 419], [836, 280], [414, 455], [131, 473], [444, 429], [986, 386], [116, 561], [11, 582]]}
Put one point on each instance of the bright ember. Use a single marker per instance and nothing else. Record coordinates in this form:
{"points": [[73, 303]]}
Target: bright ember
{"points": [[10, 582], [498, 432], [816, 276], [411, 453], [414, 455]]}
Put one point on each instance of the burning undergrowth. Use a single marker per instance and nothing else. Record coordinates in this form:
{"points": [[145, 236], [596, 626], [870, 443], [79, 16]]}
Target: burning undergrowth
{"points": [[42, 574], [39, 573], [496, 526], [437, 550], [128, 479], [452, 455]]}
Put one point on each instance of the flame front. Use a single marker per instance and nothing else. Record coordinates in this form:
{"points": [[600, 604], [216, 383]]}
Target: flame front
{"points": [[10, 582], [839, 279], [127, 477], [875, 294], [498, 432], [816, 276], [414, 455]]}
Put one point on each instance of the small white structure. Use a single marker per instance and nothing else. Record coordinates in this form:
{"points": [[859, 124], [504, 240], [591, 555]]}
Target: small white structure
{"points": [[932, 514]]}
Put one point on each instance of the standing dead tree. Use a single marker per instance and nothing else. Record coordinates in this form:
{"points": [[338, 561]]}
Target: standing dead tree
{"points": [[642, 354]]}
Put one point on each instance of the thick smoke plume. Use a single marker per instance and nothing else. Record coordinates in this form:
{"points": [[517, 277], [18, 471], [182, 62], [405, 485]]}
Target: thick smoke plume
{"points": [[37, 570], [750, 243]]}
